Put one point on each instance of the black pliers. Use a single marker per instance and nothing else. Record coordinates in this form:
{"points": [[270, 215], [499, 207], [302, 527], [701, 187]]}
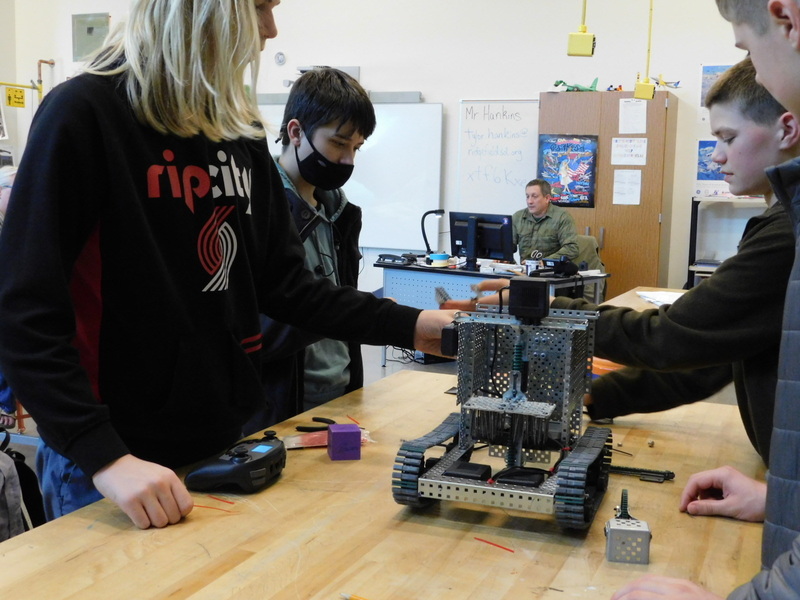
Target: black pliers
{"points": [[307, 428]]}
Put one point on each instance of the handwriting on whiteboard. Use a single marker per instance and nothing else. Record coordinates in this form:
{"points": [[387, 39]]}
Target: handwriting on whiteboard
{"points": [[497, 153]]}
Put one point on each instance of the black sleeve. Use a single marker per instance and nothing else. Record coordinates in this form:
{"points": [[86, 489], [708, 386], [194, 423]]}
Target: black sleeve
{"points": [[632, 390], [734, 314], [282, 340], [56, 195], [290, 294]]}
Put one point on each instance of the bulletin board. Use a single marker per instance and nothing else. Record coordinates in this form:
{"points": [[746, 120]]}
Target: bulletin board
{"points": [[497, 154], [397, 175]]}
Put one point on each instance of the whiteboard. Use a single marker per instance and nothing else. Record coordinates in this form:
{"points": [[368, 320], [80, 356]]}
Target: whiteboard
{"points": [[397, 174], [498, 142]]}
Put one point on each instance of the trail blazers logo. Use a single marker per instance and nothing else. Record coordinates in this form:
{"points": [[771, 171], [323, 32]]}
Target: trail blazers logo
{"points": [[216, 248], [217, 244]]}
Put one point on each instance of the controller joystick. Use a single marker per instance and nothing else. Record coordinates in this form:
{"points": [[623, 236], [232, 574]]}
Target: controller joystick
{"points": [[249, 466]]}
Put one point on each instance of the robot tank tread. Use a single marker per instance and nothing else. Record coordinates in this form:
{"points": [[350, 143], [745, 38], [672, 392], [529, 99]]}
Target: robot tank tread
{"points": [[581, 477]]}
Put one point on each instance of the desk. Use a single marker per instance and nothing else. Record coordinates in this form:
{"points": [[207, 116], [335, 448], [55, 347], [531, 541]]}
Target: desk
{"points": [[414, 285], [330, 527], [633, 300]]}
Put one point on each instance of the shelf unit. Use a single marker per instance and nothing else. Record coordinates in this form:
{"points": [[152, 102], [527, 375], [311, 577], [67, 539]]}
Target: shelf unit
{"points": [[717, 224]]}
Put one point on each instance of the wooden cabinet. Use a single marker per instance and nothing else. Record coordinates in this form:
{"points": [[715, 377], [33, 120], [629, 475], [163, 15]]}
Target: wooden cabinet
{"points": [[633, 238]]}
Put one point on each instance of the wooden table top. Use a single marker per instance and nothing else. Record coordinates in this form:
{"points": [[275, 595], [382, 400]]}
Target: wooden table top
{"points": [[633, 300], [326, 528]]}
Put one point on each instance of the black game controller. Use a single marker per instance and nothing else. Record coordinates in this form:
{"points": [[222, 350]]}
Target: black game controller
{"points": [[249, 465]]}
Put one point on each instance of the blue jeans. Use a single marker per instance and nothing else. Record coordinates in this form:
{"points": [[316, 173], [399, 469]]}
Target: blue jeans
{"points": [[7, 402], [65, 488]]}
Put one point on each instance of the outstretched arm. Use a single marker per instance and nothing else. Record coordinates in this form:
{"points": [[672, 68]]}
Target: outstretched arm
{"points": [[428, 330]]}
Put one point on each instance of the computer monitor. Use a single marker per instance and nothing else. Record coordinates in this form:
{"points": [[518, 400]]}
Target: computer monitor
{"points": [[475, 235]]}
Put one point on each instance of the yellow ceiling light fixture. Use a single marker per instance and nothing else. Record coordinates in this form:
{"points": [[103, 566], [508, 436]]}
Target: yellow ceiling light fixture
{"points": [[645, 89], [581, 43]]}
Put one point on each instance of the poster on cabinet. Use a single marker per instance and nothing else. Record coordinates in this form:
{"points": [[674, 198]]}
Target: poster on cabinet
{"points": [[569, 164]]}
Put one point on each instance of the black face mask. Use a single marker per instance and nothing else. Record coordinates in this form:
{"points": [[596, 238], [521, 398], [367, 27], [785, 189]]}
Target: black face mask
{"points": [[320, 172]]}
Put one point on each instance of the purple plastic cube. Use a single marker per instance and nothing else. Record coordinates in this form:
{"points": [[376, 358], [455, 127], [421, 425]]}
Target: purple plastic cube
{"points": [[344, 442]]}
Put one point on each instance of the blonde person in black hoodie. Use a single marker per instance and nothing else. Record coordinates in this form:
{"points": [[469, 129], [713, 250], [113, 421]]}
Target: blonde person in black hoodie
{"points": [[147, 231]]}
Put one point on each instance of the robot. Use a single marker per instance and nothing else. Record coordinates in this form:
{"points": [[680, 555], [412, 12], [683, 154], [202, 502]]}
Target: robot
{"points": [[522, 373]]}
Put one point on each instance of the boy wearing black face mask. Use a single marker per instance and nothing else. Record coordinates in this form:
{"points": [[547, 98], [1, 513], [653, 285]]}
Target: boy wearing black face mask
{"points": [[328, 117]]}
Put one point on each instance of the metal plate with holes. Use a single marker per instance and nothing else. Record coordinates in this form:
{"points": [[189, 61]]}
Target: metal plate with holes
{"points": [[416, 287], [628, 541]]}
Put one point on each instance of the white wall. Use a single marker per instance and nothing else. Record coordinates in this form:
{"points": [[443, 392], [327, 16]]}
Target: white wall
{"points": [[8, 66], [462, 49]]}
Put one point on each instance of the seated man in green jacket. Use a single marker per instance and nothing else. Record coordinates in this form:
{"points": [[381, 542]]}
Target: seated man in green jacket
{"points": [[728, 327], [543, 230]]}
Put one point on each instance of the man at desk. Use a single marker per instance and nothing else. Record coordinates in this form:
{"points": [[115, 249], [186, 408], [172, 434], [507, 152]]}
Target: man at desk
{"points": [[543, 230]]}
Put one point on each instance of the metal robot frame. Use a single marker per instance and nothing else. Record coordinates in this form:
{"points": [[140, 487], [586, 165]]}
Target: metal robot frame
{"points": [[522, 374]]}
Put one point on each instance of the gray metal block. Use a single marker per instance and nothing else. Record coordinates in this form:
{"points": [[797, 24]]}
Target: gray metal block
{"points": [[628, 541]]}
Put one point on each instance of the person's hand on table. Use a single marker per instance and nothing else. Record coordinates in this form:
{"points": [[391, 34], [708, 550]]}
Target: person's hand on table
{"points": [[151, 495], [725, 492], [652, 587], [428, 331], [486, 285]]}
